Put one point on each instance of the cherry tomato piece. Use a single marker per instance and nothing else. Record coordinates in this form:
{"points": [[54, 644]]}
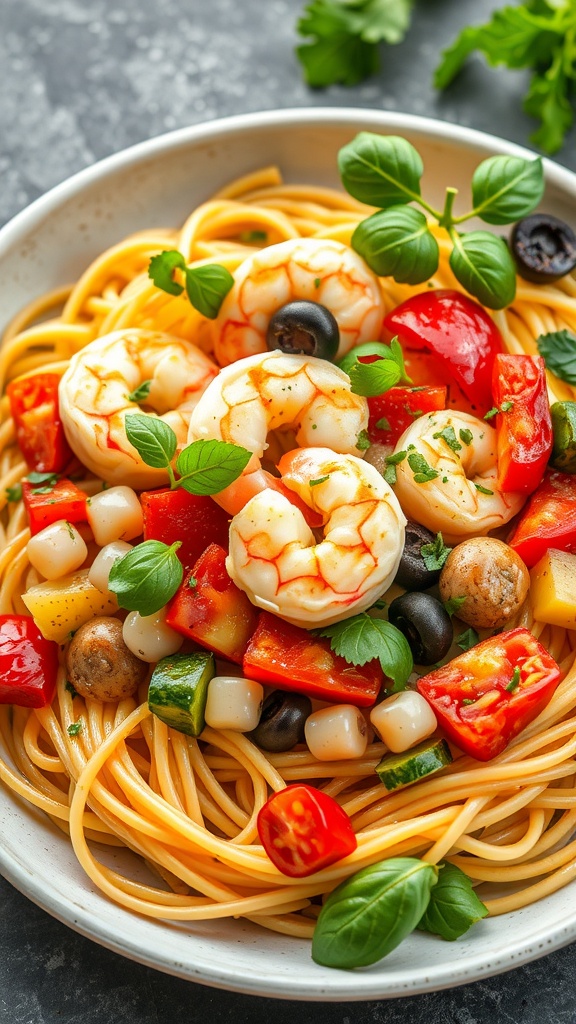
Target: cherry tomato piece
{"points": [[304, 830], [524, 424], [487, 695], [391, 413], [39, 429], [28, 663], [458, 331], [290, 657], [193, 519], [46, 504], [209, 608], [548, 520]]}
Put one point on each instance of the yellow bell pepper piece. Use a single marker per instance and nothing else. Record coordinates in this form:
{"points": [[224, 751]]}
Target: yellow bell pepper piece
{"points": [[553, 589], [61, 606]]}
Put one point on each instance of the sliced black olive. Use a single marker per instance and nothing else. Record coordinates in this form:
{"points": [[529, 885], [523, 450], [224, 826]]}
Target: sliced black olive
{"points": [[281, 724], [412, 572], [305, 328], [544, 248], [425, 624]]}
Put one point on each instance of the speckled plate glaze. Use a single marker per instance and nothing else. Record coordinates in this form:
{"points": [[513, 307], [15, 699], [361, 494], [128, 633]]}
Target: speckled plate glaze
{"points": [[158, 183]]}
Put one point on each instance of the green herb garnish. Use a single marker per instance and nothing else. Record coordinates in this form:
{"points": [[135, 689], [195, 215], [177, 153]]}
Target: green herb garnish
{"points": [[206, 286], [363, 638]]}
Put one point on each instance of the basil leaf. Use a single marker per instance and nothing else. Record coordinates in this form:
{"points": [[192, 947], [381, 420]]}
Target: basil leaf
{"points": [[369, 914], [153, 439], [367, 348], [207, 467], [207, 287], [363, 638], [469, 638], [558, 350], [483, 265], [145, 578], [398, 243], [454, 906], [380, 170], [161, 267], [371, 379], [506, 188]]}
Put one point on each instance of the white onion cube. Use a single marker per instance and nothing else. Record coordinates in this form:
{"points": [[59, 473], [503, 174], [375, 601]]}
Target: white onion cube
{"points": [[99, 572], [403, 720], [336, 733], [57, 550], [233, 703], [149, 637], [115, 514]]}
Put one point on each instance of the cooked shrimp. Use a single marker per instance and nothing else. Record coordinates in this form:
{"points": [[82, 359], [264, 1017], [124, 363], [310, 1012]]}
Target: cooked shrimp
{"points": [[274, 556], [463, 499], [276, 391], [315, 269], [95, 390]]}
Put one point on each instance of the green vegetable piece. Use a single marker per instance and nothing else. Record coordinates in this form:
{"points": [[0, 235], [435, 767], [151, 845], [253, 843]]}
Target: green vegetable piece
{"points": [[564, 429], [454, 906], [369, 914], [207, 287], [399, 770], [179, 688], [363, 637], [207, 467], [146, 577], [398, 243], [469, 638], [507, 188], [435, 554], [154, 440], [483, 265], [381, 170], [162, 267], [558, 349], [140, 394]]}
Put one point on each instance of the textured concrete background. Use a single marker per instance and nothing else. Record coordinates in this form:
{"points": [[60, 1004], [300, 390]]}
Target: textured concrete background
{"points": [[80, 79]]}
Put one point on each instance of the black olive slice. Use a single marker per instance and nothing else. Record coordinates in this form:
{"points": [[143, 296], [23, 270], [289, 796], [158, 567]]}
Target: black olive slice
{"points": [[544, 248], [304, 328]]}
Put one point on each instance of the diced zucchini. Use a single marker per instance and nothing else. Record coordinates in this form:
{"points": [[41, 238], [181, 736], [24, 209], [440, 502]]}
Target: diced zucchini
{"points": [[178, 690], [553, 589], [564, 428], [397, 770]]}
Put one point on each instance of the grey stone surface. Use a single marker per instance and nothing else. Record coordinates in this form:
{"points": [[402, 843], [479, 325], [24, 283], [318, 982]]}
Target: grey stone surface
{"points": [[80, 79]]}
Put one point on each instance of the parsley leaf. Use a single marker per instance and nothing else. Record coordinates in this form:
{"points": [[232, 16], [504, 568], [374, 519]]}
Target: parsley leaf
{"points": [[435, 554], [48, 479], [515, 680], [363, 441], [14, 493], [538, 35], [558, 350], [320, 480], [465, 435], [423, 473], [448, 435], [454, 604], [345, 35], [362, 638], [75, 728], [469, 638], [483, 490], [453, 907], [141, 392]]}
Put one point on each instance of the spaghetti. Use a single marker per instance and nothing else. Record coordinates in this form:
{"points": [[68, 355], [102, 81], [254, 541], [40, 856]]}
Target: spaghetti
{"points": [[189, 808]]}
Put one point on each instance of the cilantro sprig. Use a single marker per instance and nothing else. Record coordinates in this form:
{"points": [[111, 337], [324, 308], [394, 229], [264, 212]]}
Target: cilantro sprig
{"points": [[435, 554], [538, 35], [344, 36], [363, 638], [206, 286], [386, 170], [203, 467]]}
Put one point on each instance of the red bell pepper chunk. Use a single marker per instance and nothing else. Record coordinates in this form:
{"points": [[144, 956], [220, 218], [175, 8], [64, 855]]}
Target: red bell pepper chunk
{"points": [[292, 658], [194, 519], [524, 426], [399, 407], [210, 609], [46, 504], [487, 695], [28, 663], [304, 830], [39, 429], [548, 520], [458, 331]]}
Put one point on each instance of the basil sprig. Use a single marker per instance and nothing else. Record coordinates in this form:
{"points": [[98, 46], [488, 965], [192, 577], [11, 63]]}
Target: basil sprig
{"points": [[363, 638], [369, 914], [385, 171], [206, 286], [371, 379], [454, 906], [204, 467], [145, 578]]}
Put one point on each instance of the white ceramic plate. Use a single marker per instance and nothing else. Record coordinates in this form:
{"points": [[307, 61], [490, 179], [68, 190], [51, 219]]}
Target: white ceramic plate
{"points": [[157, 184]]}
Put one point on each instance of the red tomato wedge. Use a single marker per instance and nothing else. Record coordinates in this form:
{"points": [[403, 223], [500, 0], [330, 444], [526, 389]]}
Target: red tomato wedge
{"points": [[210, 609], [458, 331], [28, 663], [304, 830], [486, 696], [39, 429], [294, 659], [398, 408], [548, 520], [195, 520], [47, 504], [524, 424]]}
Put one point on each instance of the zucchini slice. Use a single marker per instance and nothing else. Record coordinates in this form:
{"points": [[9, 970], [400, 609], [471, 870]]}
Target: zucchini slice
{"points": [[397, 770], [178, 690], [564, 428]]}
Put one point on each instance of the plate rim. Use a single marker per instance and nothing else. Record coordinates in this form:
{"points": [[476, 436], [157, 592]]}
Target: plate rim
{"points": [[349, 986]]}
